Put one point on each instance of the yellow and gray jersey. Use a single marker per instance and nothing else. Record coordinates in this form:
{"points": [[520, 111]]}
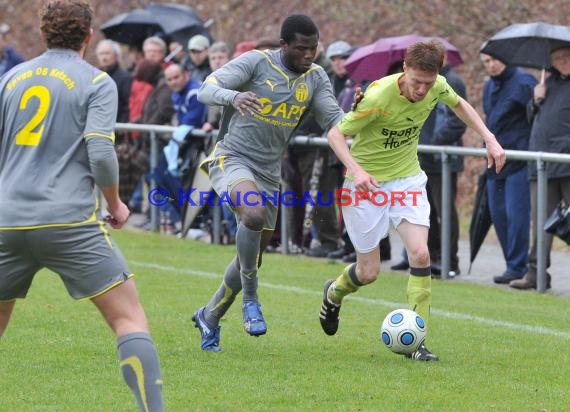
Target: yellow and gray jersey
{"points": [[49, 106], [260, 138]]}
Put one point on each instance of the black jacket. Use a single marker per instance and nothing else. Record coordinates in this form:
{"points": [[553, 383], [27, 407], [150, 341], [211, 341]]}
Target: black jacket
{"points": [[123, 79], [443, 128], [551, 124]]}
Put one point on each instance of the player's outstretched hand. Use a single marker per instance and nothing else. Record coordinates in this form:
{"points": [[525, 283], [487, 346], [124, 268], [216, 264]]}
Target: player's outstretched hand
{"points": [[118, 215], [496, 155], [357, 98], [247, 102]]}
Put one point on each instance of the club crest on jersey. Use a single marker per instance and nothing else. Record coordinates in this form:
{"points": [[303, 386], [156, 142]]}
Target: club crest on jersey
{"points": [[302, 92]]}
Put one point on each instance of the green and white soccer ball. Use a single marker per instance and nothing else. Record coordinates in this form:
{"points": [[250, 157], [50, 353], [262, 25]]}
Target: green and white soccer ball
{"points": [[403, 331]]}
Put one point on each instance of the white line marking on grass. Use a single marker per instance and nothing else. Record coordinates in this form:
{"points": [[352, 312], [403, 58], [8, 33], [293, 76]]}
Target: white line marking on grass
{"points": [[539, 330]]}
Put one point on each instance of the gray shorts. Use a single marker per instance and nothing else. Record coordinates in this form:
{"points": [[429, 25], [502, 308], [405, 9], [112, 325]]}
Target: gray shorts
{"points": [[85, 257], [226, 172]]}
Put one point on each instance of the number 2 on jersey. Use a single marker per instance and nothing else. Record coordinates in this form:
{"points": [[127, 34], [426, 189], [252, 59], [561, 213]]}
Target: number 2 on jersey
{"points": [[32, 132]]}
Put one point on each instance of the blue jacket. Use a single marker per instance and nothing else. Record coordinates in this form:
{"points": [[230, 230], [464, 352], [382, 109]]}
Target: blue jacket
{"points": [[504, 101], [9, 59], [189, 111]]}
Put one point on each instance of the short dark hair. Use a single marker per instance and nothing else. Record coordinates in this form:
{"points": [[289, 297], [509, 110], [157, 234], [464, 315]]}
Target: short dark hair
{"points": [[65, 23], [425, 55], [298, 23]]}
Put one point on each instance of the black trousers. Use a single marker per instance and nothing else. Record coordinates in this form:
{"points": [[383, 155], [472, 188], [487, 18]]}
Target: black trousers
{"points": [[434, 189]]}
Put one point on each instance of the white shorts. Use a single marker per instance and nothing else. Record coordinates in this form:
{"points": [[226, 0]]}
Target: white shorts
{"points": [[367, 216]]}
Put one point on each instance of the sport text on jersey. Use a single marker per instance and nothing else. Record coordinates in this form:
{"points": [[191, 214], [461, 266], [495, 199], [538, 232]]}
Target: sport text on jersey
{"points": [[397, 138]]}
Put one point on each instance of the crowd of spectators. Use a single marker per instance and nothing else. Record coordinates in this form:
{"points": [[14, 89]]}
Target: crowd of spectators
{"points": [[160, 89]]}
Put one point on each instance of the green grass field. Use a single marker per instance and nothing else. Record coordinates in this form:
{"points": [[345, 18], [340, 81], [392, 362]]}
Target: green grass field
{"points": [[499, 350]]}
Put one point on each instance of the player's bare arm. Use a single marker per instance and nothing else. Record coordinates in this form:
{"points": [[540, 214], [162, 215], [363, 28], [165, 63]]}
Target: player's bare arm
{"points": [[495, 153], [247, 102], [362, 180]]}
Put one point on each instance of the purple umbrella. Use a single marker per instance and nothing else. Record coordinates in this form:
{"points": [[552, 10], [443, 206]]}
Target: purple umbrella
{"points": [[373, 61]]}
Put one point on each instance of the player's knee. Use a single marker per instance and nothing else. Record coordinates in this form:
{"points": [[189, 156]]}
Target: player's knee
{"points": [[253, 217], [419, 257]]}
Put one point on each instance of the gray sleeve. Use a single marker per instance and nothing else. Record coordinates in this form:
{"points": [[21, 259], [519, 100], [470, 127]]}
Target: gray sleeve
{"points": [[103, 161], [212, 94], [102, 111], [221, 87], [324, 106]]}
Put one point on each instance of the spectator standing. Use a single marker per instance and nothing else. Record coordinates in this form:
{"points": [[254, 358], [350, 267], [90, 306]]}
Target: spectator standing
{"points": [[108, 53], [549, 110], [154, 49], [133, 151], [8, 56], [145, 78], [219, 54], [177, 54], [157, 107], [344, 88], [303, 177], [190, 114], [198, 47], [505, 96], [189, 111]]}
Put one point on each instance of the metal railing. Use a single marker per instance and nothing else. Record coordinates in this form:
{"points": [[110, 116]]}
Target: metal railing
{"points": [[540, 158]]}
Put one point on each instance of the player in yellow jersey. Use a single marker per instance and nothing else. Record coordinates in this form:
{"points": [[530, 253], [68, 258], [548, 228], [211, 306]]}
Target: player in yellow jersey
{"points": [[386, 126]]}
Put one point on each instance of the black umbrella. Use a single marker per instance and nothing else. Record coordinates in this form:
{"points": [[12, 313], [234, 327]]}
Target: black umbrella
{"points": [[480, 220], [180, 21], [527, 44], [131, 28], [174, 20]]}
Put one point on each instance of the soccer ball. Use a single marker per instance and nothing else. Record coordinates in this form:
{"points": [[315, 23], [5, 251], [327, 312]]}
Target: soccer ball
{"points": [[403, 331]]}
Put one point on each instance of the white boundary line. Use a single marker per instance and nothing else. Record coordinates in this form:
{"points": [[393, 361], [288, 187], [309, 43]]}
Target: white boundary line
{"points": [[538, 330]]}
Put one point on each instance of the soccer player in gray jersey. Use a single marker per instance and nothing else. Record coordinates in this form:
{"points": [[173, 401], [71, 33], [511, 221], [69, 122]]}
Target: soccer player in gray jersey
{"points": [[265, 95], [57, 116]]}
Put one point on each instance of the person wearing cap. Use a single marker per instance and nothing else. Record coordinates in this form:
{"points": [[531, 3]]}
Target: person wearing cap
{"points": [[198, 47], [338, 52], [8, 56]]}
